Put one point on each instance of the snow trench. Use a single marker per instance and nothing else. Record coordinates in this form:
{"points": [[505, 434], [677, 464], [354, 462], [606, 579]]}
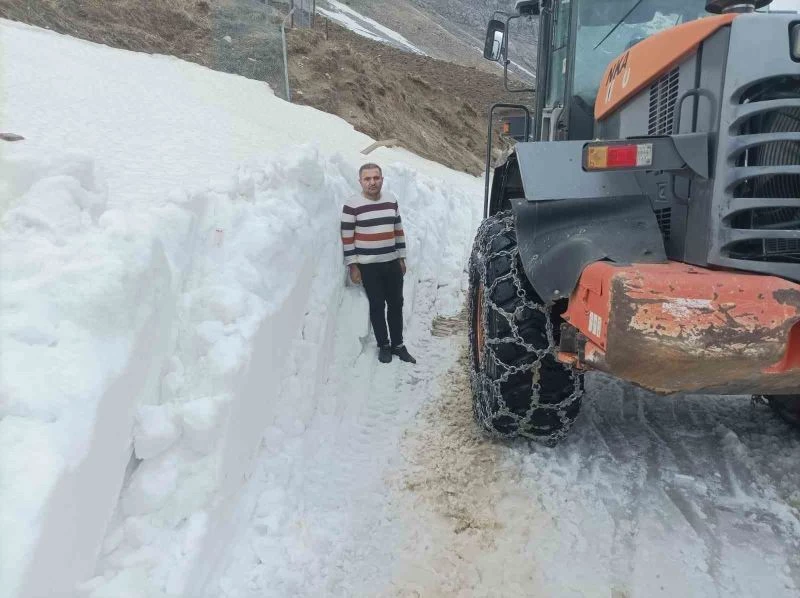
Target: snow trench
{"points": [[146, 352]]}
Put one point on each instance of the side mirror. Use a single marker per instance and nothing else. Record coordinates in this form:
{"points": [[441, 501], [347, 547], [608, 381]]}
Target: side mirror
{"points": [[495, 34]]}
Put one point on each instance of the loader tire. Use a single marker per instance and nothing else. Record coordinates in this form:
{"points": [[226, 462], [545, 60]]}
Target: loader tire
{"points": [[518, 386]]}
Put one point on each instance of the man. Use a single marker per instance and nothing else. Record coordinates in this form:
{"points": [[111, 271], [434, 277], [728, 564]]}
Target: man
{"points": [[374, 252]]}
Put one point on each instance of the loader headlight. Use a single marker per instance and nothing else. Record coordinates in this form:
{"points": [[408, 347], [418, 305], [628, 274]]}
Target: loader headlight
{"points": [[794, 41]]}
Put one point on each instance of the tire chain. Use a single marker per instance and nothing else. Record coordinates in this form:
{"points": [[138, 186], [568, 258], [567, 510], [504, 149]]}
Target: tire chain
{"points": [[483, 385]]}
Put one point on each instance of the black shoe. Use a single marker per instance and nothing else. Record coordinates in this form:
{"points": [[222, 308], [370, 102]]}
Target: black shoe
{"points": [[385, 354], [403, 354]]}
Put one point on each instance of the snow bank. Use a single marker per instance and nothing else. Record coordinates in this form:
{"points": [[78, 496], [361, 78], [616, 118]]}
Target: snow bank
{"points": [[161, 342], [86, 313], [169, 292], [255, 342]]}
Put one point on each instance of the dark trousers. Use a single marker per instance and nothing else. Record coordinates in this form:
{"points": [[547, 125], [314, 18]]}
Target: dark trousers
{"points": [[383, 283]]}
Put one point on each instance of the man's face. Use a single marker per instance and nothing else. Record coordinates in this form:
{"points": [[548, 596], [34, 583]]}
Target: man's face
{"points": [[371, 182]]}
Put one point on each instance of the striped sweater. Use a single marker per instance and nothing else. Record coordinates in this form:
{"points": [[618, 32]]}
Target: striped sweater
{"points": [[372, 230]]}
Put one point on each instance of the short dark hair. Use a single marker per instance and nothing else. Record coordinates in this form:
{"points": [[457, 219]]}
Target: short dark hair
{"points": [[369, 166]]}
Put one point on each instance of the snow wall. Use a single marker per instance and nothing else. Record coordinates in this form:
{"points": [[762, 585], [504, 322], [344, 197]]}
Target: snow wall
{"points": [[146, 351]]}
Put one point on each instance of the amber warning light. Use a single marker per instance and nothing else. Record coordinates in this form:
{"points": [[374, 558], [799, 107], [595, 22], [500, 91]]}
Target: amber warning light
{"points": [[611, 157]]}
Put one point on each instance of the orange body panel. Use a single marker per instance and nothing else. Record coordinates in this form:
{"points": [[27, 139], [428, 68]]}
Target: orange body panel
{"points": [[649, 59], [675, 327]]}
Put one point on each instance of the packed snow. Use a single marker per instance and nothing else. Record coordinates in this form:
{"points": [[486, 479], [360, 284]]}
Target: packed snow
{"points": [[191, 404], [790, 5]]}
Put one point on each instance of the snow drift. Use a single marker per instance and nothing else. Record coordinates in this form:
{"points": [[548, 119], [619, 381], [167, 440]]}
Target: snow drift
{"points": [[171, 275]]}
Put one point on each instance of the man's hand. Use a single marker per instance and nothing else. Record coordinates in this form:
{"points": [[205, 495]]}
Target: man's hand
{"points": [[355, 274], [403, 266]]}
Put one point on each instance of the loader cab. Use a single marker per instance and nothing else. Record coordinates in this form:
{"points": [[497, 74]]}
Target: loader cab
{"points": [[578, 39]]}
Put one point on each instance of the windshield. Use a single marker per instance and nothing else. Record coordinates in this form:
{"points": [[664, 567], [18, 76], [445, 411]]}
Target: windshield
{"points": [[597, 19]]}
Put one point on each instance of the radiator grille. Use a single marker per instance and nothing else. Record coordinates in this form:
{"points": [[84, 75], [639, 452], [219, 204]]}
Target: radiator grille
{"points": [[664, 219], [764, 214], [663, 96], [782, 246]]}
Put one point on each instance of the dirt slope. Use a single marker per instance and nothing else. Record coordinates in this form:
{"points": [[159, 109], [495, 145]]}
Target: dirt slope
{"points": [[454, 30], [178, 27], [234, 36], [436, 109]]}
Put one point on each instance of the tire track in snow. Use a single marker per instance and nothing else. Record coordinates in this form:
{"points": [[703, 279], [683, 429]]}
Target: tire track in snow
{"points": [[693, 474], [320, 524], [457, 541], [649, 496], [670, 451], [623, 509]]}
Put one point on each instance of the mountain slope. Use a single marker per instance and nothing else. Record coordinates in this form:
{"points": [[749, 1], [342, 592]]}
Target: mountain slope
{"points": [[454, 30], [435, 109]]}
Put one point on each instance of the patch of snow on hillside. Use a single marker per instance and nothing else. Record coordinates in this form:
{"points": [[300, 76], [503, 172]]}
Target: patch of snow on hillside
{"points": [[366, 27]]}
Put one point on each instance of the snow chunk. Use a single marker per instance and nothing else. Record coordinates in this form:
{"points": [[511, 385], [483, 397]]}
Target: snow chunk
{"points": [[203, 420], [155, 431], [151, 486]]}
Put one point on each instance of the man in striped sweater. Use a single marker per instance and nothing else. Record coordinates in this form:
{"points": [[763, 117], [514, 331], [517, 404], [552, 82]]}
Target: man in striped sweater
{"points": [[375, 252]]}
